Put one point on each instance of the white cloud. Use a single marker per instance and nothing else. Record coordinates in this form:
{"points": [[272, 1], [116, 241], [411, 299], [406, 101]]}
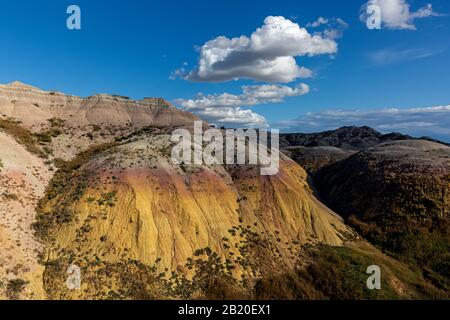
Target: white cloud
{"points": [[391, 55], [270, 93], [333, 28], [268, 54], [427, 121], [177, 73], [226, 109], [320, 21], [232, 117], [396, 14]]}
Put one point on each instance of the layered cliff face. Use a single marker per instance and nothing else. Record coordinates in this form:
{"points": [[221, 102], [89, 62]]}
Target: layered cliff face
{"points": [[34, 107], [66, 125], [397, 195], [130, 203]]}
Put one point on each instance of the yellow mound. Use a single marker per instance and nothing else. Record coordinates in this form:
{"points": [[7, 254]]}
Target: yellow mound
{"points": [[137, 205]]}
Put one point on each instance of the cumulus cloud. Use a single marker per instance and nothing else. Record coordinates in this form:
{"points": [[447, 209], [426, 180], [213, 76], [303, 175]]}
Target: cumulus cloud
{"points": [[268, 54], [226, 109], [397, 14], [232, 117], [427, 121]]}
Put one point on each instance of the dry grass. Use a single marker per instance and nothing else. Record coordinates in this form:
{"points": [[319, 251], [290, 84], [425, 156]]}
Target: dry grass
{"points": [[22, 135]]}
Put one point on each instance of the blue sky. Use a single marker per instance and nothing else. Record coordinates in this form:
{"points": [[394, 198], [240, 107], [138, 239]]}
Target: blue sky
{"points": [[133, 47]]}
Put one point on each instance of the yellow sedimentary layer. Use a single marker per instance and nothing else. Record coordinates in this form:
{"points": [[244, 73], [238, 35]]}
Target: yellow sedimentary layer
{"points": [[161, 212]]}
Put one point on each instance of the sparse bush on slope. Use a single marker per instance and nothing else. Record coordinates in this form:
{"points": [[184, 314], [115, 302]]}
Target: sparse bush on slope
{"points": [[22, 135], [15, 287], [397, 196], [71, 183], [339, 273]]}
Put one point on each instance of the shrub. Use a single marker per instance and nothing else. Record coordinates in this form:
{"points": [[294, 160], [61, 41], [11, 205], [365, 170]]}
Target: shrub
{"points": [[70, 183], [15, 287], [22, 135], [10, 196]]}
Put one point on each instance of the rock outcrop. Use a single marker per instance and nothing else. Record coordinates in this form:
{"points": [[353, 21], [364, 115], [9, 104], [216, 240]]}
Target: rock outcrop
{"points": [[69, 124]]}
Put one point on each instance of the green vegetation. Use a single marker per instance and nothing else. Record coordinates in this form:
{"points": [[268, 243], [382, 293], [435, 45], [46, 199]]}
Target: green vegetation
{"points": [[404, 211], [425, 245], [133, 280], [46, 136], [22, 135], [108, 199], [31, 140], [15, 287], [331, 273], [71, 182], [54, 131], [339, 273], [103, 280], [9, 196], [56, 122]]}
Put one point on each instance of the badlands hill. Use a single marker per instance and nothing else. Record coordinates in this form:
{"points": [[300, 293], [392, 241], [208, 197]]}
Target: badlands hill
{"points": [[316, 150], [34, 107], [393, 189], [397, 195], [314, 158], [347, 138], [68, 124], [130, 203], [89, 181], [141, 227]]}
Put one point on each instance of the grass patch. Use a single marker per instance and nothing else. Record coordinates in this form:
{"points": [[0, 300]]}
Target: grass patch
{"points": [[21, 135], [339, 273]]}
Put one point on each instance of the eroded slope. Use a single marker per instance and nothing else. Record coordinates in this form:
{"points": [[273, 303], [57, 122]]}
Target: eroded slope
{"points": [[23, 179], [130, 204], [397, 195]]}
